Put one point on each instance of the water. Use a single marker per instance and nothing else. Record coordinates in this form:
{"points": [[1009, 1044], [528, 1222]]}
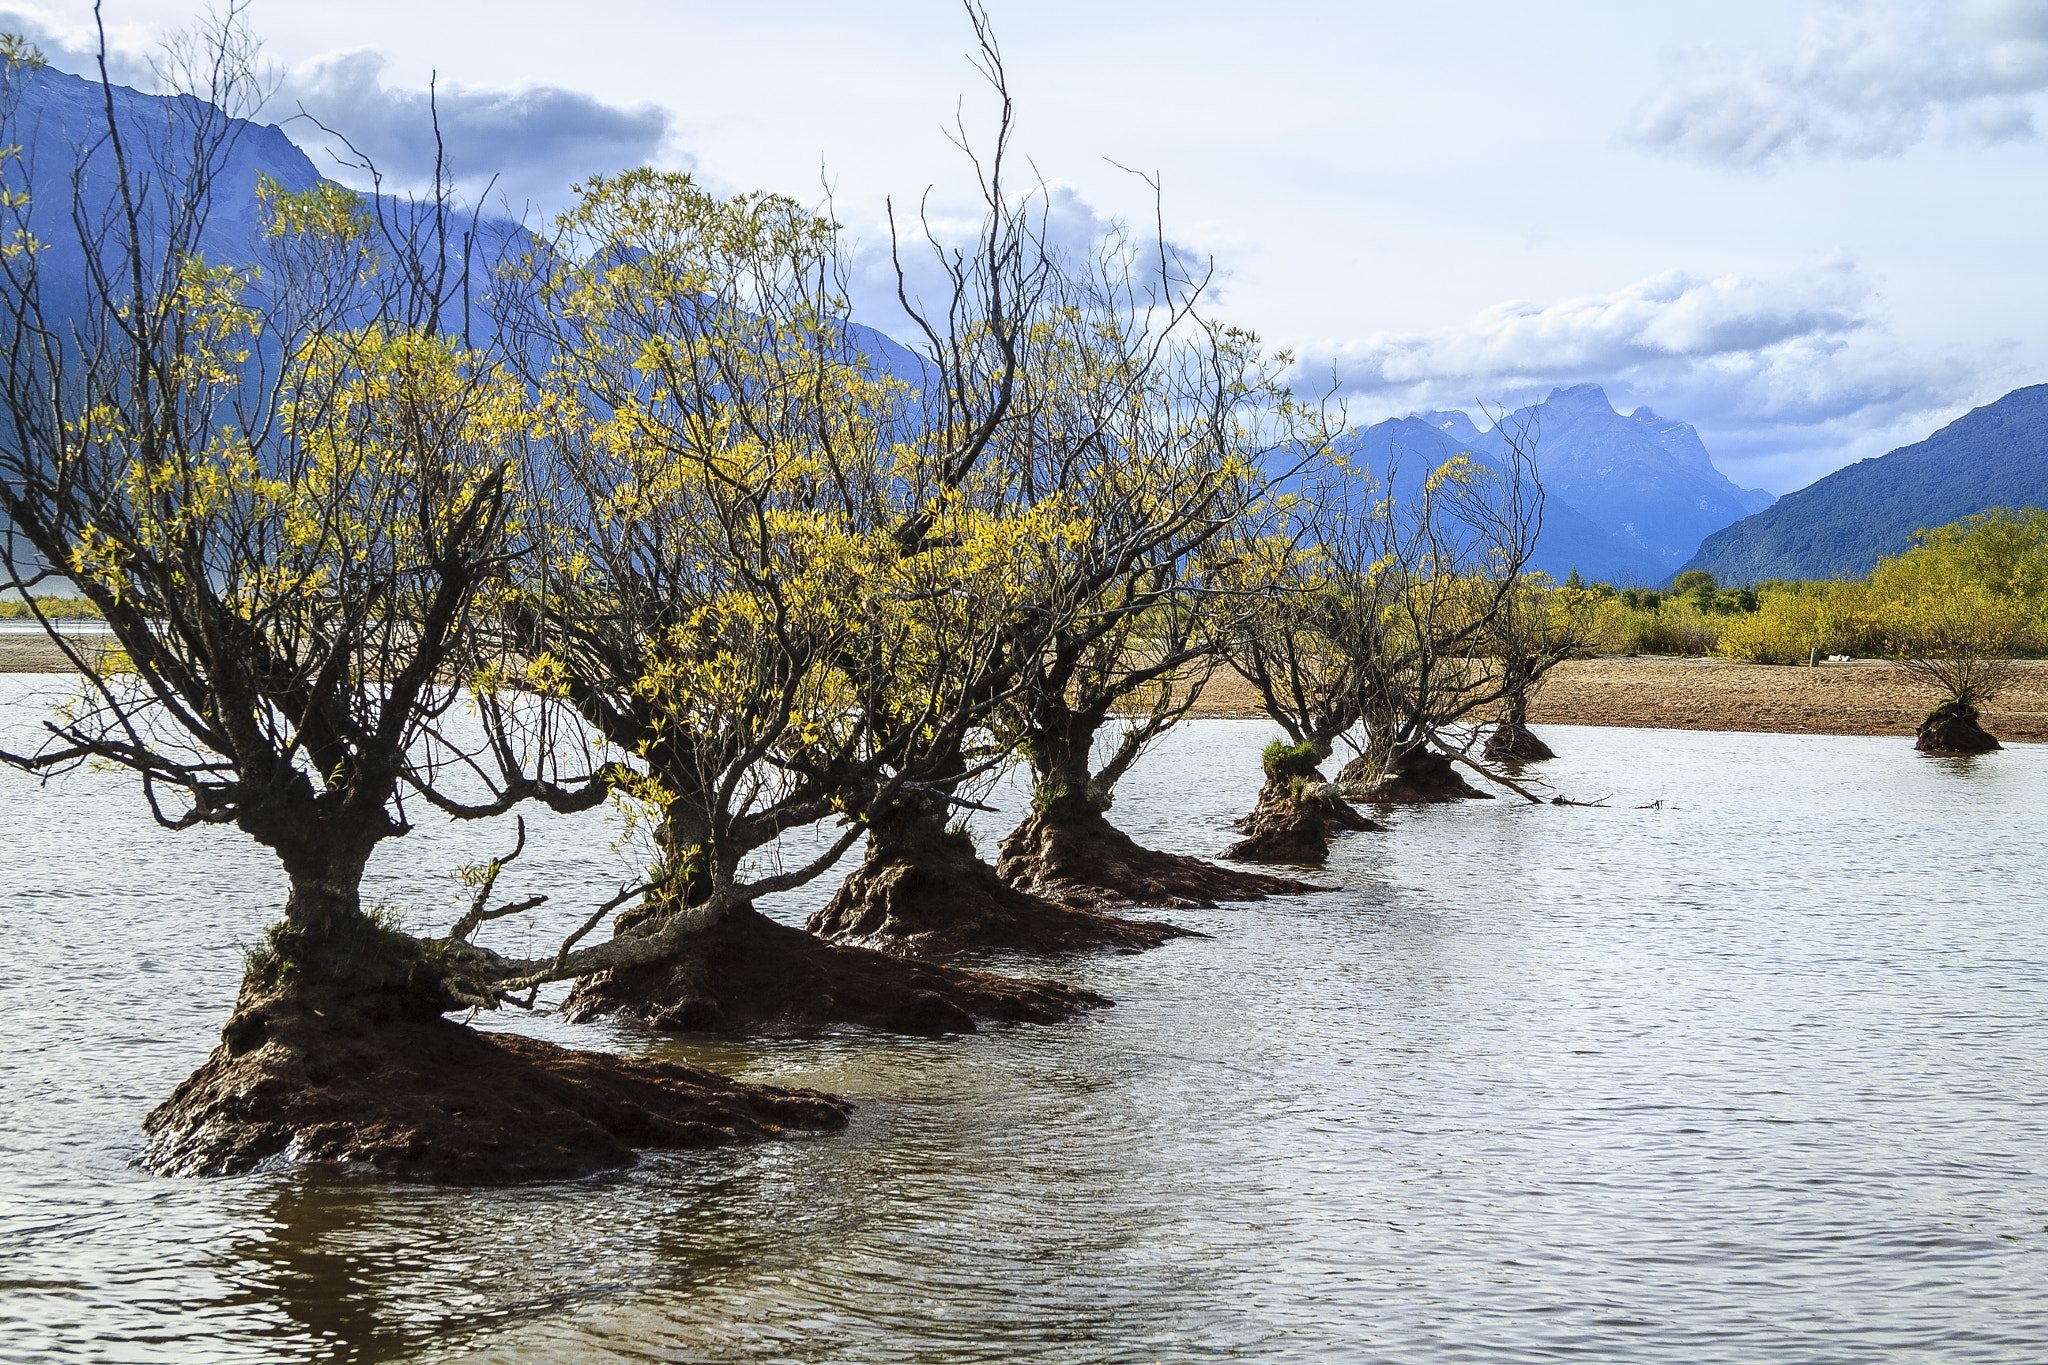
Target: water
{"points": [[1756, 1076]]}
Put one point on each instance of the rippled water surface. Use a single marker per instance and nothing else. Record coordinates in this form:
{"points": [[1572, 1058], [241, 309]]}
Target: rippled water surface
{"points": [[1754, 1076]]}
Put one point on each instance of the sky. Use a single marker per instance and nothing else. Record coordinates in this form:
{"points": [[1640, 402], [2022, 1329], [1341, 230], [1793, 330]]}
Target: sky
{"points": [[1812, 228]]}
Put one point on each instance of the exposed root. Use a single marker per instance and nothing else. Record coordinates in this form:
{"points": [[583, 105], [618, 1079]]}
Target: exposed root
{"points": [[375, 1082], [750, 975], [1089, 862], [1952, 728], [1422, 776], [944, 901]]}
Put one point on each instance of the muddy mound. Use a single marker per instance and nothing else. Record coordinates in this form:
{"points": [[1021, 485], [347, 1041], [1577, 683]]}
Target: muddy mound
{"points": [[1515, 744], [1421, 777], [376, 1083], [750, 975], [1293, 822], [1093, 864], [1952, 728], [937, 905]]}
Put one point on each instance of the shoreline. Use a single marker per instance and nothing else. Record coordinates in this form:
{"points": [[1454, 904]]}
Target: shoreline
{"points": [[1860, 697]]}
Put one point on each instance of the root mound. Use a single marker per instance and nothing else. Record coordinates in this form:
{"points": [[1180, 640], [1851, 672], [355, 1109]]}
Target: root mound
{"points": [[1094, 864], [748, 974], [1293, 822], [1512, 743], [1953, 729], [936, 906], [1424, 777], [317, 1076]]}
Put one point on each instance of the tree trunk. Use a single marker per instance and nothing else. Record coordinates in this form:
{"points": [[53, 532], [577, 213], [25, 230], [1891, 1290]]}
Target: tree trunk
{"points": [[922, 891]]}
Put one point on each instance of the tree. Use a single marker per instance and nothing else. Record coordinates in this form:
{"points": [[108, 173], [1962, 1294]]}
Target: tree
{"points": [[1956, 611], [726, 483], [1384, 613], [1536, 627], [283, 487]]}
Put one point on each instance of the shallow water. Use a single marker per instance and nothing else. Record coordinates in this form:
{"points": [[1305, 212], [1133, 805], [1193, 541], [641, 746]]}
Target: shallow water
{"points": [[1754, 1076]]}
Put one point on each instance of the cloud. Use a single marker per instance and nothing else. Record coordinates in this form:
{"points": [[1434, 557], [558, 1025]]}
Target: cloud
{"points": [[1868, 78], [1073, 228], [1786, 379], [74, 48], [536, 142]]}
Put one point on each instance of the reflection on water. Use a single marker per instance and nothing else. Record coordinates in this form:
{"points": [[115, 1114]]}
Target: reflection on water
{"points": [[1757, 1075]]}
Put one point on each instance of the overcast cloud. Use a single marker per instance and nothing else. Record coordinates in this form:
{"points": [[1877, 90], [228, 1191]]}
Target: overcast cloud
{"points": [[1866, 79]]}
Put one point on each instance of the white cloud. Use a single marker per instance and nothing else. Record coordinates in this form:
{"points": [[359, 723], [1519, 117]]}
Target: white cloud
{"points": [[1786, 379], [1072, 228], [1868, 78], [535, 142]]}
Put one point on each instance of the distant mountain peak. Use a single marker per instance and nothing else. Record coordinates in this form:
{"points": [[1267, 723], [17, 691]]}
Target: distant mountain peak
{"points": [[1579, 398], [1455, 425]]}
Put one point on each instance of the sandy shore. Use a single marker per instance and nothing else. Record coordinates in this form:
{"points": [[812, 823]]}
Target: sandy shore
{"points": [[26, 653], [1863, 697]]}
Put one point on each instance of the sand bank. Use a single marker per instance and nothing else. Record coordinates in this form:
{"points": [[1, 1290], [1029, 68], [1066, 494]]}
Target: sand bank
{"points": [[1862, 697]]}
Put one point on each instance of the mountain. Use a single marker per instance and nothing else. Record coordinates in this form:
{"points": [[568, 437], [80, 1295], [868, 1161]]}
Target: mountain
{"points": [[1412, 446], [61, 124], [1995, 456], [1643, 478]]}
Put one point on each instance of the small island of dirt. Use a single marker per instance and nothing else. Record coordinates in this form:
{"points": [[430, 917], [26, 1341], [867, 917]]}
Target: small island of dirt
{"points": [[1089, 862], [382, 1082], [1297, 812], [749, 975], [1422, 776], [1954, 728], [922, 891]]}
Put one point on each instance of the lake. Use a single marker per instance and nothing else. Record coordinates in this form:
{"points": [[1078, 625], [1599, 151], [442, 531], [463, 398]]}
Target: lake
{"points": [[1759, 1073]]}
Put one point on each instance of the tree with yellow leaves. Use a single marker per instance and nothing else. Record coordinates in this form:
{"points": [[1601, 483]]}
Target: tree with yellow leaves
{"points": [[772, 584], [1957, 609], [287, 489]]}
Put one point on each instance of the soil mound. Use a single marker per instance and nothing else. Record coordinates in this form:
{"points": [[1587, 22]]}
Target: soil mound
{"points": [[1092, 863], [937, 905], [1516, 744], [750, 975], [1293, 823], [1423, 777], [374, 1082], [1953, 729]]}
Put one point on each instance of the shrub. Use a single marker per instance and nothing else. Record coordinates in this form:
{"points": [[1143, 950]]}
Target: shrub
{"points": [[1287, 762]]}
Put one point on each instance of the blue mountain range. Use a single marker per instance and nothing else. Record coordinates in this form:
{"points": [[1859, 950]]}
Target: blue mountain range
{"points": [[1629, 497]]}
